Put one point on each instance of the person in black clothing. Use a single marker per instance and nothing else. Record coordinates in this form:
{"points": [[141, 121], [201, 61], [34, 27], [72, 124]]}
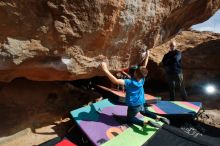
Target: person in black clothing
{"points": [[173, 67]]}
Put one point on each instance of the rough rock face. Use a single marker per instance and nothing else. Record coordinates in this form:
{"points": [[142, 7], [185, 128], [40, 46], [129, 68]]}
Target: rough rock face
{"points": [[67, 39], [200, 57]]}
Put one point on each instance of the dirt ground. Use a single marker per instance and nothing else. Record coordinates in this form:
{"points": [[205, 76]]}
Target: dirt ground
{"points": [[33, 112]]}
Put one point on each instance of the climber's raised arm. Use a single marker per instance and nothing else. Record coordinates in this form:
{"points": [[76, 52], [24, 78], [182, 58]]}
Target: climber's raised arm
{"points": [[145, 62], [112, 78]]}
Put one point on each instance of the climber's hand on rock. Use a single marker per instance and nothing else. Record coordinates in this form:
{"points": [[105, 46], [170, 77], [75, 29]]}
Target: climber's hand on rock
{"points": [[102, 57], [145, 54], [104, 66]]}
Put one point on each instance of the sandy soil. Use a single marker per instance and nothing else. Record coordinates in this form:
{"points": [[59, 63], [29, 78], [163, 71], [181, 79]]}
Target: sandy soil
{"points": [[34, 112]]}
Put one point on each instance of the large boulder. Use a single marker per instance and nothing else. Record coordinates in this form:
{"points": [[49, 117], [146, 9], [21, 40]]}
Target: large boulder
{"points": [[200, 57], [67, 39]]}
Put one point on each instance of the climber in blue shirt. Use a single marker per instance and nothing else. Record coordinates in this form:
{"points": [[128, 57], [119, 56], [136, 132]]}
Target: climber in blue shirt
{"points": [[135, 94]]}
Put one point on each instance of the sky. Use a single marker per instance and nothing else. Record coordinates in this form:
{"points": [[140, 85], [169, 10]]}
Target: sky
{"points": [[212, 24]]}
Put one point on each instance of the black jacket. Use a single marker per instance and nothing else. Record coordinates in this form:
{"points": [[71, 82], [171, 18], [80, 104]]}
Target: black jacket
{"points": [[172, 62]]}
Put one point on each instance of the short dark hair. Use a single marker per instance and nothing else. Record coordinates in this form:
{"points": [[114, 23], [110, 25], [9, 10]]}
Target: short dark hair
{"points": [[141, 72], [132, 70]]}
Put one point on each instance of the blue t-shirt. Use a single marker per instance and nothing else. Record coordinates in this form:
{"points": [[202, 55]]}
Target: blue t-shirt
{"points": [[134, 92]]}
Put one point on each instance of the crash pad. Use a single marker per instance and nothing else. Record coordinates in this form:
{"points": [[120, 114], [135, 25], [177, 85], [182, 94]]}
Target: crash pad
{"points": [[121, 95], [175, 108], [104, 124]]}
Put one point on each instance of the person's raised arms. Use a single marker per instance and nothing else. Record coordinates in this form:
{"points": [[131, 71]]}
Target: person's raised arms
{"points": [[112, 78], [145, 62]]}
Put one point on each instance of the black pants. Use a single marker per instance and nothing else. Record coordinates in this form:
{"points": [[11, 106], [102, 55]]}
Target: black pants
{"points": [[132, 112], [176, 80]]}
